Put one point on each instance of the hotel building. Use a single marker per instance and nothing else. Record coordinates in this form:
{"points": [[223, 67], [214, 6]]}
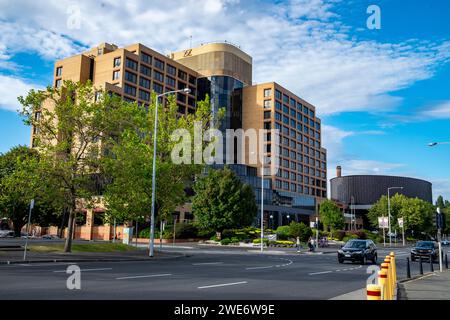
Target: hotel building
{"points": [[224, 72]]}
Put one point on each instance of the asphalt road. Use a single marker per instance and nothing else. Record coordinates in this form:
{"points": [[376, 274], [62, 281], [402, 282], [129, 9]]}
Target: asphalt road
{"points": [[204, 274]]}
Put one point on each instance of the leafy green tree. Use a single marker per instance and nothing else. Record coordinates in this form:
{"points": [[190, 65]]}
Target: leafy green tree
{"points": [[300, 230], [130, 162], [331, 216], [73, 125], [417, 214], [222, 201], [20, 182]]}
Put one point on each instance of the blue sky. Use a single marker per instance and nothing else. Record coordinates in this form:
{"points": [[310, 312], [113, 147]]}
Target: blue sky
{"points": [[382, 94]]}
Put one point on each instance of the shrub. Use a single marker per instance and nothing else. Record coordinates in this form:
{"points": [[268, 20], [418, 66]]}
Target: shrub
{"points": [[300, 230], [339, 235], [283, 232]]}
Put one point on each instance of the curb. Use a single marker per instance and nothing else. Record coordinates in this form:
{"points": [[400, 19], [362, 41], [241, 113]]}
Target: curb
{"points": [[88, 260]]}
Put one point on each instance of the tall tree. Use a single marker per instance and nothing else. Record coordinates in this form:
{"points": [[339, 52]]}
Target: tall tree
{"points": [[72, 124], [222, 201], [20, 182], [129, 166], [331, 216]]}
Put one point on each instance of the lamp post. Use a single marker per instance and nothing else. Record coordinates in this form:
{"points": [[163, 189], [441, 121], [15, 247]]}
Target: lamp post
{"points": [[389, 213], [155, 132]]}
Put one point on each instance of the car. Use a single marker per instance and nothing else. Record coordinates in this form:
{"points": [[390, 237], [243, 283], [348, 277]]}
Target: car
{"points": [[50, 236], [425, 250], [357, 250], [7, 234]]}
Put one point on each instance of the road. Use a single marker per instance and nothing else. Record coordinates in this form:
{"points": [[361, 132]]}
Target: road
{"points": [[206, 273]]}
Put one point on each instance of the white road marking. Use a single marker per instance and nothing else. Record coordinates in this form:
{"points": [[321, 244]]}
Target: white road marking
{"points": [[222, 285], [146, 276], [84, 270], [323, 272], [206, 263]]}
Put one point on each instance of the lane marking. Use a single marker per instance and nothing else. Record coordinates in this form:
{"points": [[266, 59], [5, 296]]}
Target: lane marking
{"points": [[222, 285], [146, 276], [83, 270], [206, 263], [323, 272]]}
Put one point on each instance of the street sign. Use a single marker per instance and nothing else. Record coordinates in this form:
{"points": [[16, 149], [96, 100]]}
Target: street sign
{"points": [[383, 222], [400, 222]]}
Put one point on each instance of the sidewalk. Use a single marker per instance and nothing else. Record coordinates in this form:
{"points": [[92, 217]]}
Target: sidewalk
{"points": [[432, 286], [16, 257]]}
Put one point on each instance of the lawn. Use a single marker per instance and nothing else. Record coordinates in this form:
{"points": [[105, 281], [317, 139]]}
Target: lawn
{"points": [[88, 247]]}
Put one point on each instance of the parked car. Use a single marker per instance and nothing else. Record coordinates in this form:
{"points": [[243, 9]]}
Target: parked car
{"points": [[425, 249], [7, 234], [50, 236], [358, 250]]}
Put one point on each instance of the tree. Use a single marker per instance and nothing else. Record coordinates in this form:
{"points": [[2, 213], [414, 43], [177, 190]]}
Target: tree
{"points": [[331, 216], [129, 164], [73, 125], [300, 230], [222, 201], [417, 214], [20, 182]]}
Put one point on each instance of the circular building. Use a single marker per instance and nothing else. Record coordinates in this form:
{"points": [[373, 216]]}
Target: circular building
{"points": [[360, 192]]}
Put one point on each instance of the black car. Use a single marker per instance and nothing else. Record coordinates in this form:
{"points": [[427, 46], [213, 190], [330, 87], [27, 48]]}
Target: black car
{"points": [[425, 249], [358, 251]]}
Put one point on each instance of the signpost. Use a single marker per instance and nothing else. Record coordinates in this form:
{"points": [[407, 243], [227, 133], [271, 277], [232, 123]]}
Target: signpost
{"points": [[383, 223], [402, 225]]}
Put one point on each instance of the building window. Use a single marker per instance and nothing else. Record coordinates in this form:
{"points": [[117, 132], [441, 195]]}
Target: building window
{"points": [[159, 64], [59, 71], [267, 93], [267, 104], [171, 70], [158, 76], [117, 62], [58, 83], [146, 71], [170, 81], [278, 94], [146, 58], [131, 64], [130, 90], [131, 77], [267, 114], [157, 88], [116, 75], [144, 95], [182, 75], [143, 82]]}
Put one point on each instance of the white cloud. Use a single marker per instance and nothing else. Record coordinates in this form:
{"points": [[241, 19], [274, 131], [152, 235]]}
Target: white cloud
{"points": [[441, 111], [301, 43], [10, 89]]}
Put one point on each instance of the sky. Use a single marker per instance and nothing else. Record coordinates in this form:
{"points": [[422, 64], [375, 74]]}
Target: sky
{"points": [[383, 94]]}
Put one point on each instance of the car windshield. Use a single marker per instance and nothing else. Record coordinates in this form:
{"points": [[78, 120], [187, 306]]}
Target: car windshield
{"points": [[425, 244], [355, 245]]}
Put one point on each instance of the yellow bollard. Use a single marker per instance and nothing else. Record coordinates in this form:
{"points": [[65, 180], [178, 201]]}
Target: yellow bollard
{"points": [[382, 281], [390, 277], [385, 268], [394, 267], [373, 292]]}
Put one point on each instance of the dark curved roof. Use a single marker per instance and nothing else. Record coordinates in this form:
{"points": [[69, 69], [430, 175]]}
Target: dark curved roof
{"points": [[367, 189]]}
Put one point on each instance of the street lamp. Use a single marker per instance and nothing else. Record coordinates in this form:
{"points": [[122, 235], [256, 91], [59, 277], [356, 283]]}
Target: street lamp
{"points": [[152, 221], [389, 213], [433, 144]]}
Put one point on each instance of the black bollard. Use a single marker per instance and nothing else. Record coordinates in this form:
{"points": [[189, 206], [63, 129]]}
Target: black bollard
{"points": [[431, 264], [408, 269], [446, 262], [421, 266]]}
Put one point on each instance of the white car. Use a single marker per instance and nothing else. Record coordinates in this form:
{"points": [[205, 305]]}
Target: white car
{"points": [[6, 234]]}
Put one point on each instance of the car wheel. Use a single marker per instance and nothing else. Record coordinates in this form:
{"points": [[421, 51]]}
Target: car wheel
{"points": [[364, 260]]}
